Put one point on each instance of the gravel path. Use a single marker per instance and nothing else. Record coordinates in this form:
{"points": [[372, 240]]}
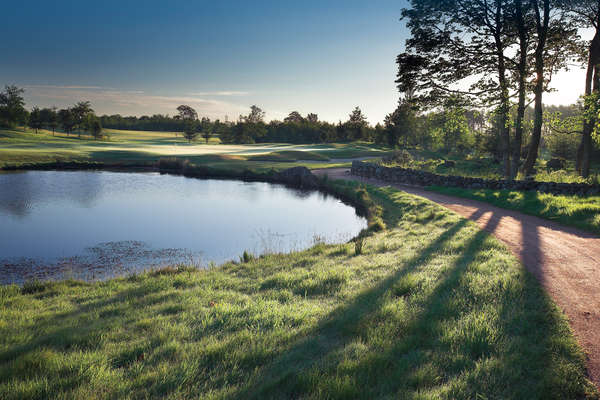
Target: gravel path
{"points": [[565, 260]]}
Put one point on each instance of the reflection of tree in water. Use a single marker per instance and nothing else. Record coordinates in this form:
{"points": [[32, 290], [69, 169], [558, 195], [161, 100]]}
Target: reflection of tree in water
{"points": [[15, 193], [20, 192], [84, 187]]}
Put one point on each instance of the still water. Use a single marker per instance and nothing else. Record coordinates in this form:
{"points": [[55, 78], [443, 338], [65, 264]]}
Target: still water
{"points": [[95, 225]]}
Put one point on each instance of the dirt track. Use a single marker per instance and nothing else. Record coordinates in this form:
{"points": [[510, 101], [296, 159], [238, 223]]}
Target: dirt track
{"points": [[565, 260]]}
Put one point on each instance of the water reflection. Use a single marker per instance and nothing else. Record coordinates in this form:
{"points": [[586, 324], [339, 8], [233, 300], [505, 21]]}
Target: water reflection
{"points": [[21, 192], [52, 222]]}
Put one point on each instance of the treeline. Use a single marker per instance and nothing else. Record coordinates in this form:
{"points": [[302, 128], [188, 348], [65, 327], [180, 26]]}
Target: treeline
{"points": [[80, 118], [251, 128], [500, 56]]}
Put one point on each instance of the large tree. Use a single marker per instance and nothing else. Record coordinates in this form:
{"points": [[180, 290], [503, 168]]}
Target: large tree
{"points": [[187, 112], [455, 40], [586, 14]]}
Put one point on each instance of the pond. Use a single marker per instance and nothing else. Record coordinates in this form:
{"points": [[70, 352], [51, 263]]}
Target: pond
{"points": [[94, 225]]}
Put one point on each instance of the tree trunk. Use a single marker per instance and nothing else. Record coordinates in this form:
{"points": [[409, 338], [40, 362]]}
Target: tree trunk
{"points": [[504, 96], [522, 71], [542, 31], [591, 86]]}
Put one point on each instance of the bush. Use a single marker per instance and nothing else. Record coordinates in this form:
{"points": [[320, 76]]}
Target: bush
{"points": [[400, 157], [246, 257], [173, 164], [358, 244]]}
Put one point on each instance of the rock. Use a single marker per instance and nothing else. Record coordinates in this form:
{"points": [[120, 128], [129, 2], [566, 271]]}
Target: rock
{"points": [[555, 164], [298, 177]]}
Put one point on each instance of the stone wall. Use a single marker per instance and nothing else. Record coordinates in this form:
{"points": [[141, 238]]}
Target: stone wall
{"points": [[423, 178]]}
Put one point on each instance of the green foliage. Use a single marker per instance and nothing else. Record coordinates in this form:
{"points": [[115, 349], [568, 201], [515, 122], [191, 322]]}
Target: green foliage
{"points": [[246, 257], [12, 107], [35, 119]]}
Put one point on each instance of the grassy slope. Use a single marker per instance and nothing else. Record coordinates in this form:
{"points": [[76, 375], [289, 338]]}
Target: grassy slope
{"points": [[18, 148], [579, 212], [435, 308]]}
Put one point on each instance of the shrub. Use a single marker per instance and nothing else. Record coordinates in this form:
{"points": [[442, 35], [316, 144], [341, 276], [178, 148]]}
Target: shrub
{"points": [[358, 245], [400, 157], [173, 164], [246, 257], [34, 286]]}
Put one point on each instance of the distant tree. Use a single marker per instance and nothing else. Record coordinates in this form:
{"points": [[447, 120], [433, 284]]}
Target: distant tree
{"points": [[190, 130], [35, 119], [49, 118], [80, 112], [312, 118], [400, 124], [66, 120], [294, 117], [12, 106], [256, 116], [93, 126], [356, 126], [187, 112]]}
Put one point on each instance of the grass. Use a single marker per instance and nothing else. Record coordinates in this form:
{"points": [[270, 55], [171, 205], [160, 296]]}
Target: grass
{"points": [[289, 156], [576, 211], [433, 308], [20, 148], [485, 167]]}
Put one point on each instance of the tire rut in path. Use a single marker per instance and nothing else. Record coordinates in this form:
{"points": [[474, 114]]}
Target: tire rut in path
{"points": [[565, 260]]}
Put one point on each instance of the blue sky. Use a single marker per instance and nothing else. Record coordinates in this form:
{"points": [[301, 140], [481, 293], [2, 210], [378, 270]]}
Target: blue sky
{"points": [[145, 57]]}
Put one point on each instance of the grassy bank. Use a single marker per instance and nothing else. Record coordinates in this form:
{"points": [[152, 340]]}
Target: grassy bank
{"points": [[486, 167], [579, 212], [433, 308]]}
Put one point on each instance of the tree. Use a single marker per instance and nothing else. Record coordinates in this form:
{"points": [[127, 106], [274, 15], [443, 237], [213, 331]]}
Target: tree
{"points": [[294, 117], [49, 118], [80, 112], [190, 131], [356, 126], [187, 112], [400, 123], [312, 118], [586, 14], [93, 126], [66, 119], [12, 106], [555, 44], [446, 36], [35, 119], [256, 116]]}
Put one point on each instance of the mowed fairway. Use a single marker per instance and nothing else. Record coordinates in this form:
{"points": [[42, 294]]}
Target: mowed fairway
{"points": [[434, 308], [19, 148]]}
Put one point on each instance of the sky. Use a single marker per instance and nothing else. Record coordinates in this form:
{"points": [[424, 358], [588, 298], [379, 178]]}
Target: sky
{"points": [[220, 57]]}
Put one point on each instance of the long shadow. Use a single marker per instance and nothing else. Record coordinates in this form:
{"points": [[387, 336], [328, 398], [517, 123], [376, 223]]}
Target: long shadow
{"points": [[311, 349], [526, 324]]}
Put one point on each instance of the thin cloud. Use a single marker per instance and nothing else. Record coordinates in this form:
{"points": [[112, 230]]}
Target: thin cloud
{"points": [[129, 102], [71, 87], [220, 93]]}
